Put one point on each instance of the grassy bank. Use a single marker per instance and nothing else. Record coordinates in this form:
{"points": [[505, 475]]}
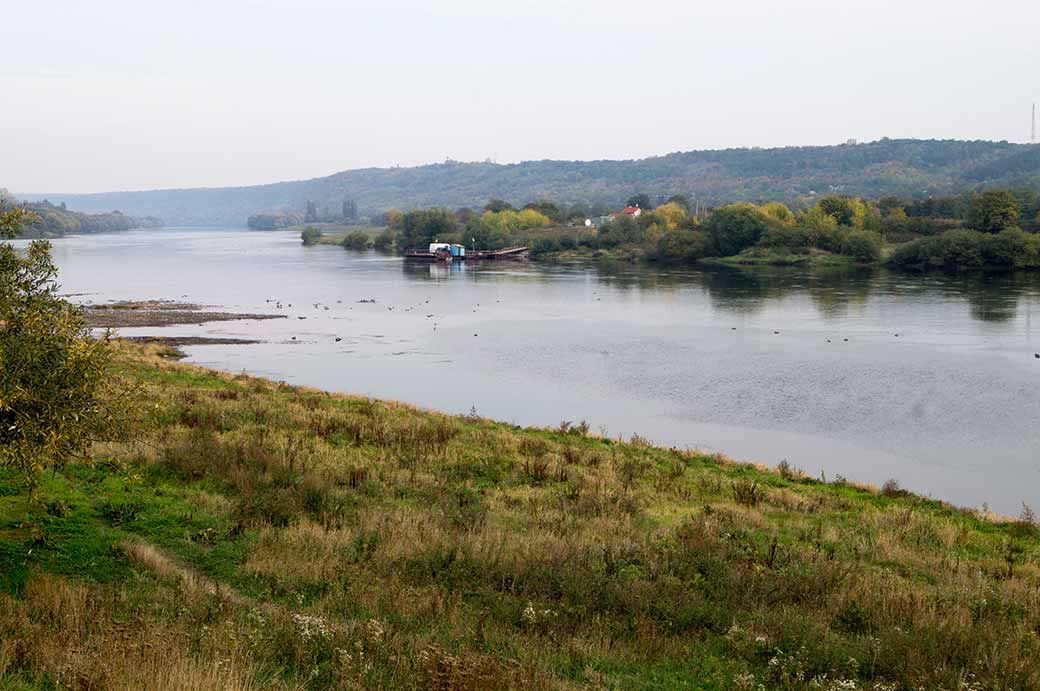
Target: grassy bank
{"points": [[257, 535], [773, 258]]}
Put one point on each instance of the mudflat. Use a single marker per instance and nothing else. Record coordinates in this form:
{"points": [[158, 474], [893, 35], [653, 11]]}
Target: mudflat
{"points": [[136, 313]]}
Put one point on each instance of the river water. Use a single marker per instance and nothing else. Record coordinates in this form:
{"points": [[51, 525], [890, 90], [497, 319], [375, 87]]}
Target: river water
{"points": [[764, 365]]}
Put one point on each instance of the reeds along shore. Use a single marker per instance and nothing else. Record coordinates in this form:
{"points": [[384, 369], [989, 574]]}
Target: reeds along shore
{"points": [[256, 535]]}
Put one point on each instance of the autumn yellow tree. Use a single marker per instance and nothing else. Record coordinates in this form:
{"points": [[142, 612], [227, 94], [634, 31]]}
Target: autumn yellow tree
{"points": [[778, 211], [670, 215]]}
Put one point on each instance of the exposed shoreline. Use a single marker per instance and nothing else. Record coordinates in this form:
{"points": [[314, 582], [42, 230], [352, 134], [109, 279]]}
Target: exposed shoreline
{"points": [[144, 313]]}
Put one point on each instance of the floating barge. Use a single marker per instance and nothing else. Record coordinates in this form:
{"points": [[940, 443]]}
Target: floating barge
{"points": [[447, 252], [437, 252]]}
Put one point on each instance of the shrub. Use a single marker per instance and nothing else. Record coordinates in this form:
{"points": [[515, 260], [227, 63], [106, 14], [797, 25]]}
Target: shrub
{"points": [[892, 490], [828, 237], [682, 245], [310, 235], [747, 492], [623, 230], [54, 383], [793, 238], [356, 240], [543, 246], [963, 249], [1012, 248], [863, 246], [736, 227], [385, 240]]}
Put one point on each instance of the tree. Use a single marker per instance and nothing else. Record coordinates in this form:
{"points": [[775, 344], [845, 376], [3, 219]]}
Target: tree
{"points": [[547, 209], [496, 205], [777, 211], [356, 240], [641, 200], [464, 214], [532, 218], [847, 211], [622, 230], [736, 227], [53, 374], [862, 246], [670, 215], [994, 211], [680, 199], [385, 240], [683, 245], [421, 226], [312, 213], [310, 236], [350, 212], [578, 212], [391, 218]]}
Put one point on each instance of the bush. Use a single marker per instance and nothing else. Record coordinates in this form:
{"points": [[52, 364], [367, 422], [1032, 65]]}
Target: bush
{"points": [[385, 240], [356, 240], [683, 245], [898, 229], [54, 377], [736, 227], [1012, 248], [792, 238], [828, 238], [623, 230], [310, 236], [971, 249], [543, 246], [863, 246]]}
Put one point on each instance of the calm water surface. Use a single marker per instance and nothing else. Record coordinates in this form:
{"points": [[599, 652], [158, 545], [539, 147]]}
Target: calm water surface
{"points": [[949, 407]]}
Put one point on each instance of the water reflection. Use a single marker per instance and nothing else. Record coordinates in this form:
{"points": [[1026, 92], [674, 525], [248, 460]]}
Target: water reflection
{"points": [[836, 293], [432, 271]]}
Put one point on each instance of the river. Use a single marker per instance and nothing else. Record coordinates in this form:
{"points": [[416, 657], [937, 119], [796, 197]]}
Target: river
{"points": [[931, 380]]}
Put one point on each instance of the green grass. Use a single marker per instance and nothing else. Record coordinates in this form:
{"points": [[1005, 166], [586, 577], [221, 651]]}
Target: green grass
{"points": [[257, 535], [769, 258]]}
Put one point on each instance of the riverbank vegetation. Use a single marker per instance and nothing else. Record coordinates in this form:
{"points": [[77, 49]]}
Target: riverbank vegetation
{"points": [[229, 532], [992, 229]]}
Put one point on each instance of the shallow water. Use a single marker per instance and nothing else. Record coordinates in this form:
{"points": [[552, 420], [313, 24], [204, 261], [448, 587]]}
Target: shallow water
{"points": [[949, 407]]}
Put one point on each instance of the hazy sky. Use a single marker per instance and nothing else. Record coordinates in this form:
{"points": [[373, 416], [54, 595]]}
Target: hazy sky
{"points": [[117, 94]]}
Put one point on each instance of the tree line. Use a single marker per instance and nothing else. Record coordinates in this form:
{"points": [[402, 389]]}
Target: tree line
{"points": [[992, 228], [56, 220], [346, 214]]}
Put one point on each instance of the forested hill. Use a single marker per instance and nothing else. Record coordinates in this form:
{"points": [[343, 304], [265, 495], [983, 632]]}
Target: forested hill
{"points": [[903, 167], [55, 220]]}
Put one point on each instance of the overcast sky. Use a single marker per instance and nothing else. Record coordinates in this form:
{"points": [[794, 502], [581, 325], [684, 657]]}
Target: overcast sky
{"points": [[118, 94]]}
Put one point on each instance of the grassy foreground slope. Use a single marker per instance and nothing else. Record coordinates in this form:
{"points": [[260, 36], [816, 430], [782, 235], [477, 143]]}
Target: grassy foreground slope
{"points": [[258, 535]]}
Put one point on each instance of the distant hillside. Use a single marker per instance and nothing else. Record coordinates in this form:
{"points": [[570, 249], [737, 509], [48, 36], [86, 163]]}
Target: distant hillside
{"points": [[904, 167]]}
